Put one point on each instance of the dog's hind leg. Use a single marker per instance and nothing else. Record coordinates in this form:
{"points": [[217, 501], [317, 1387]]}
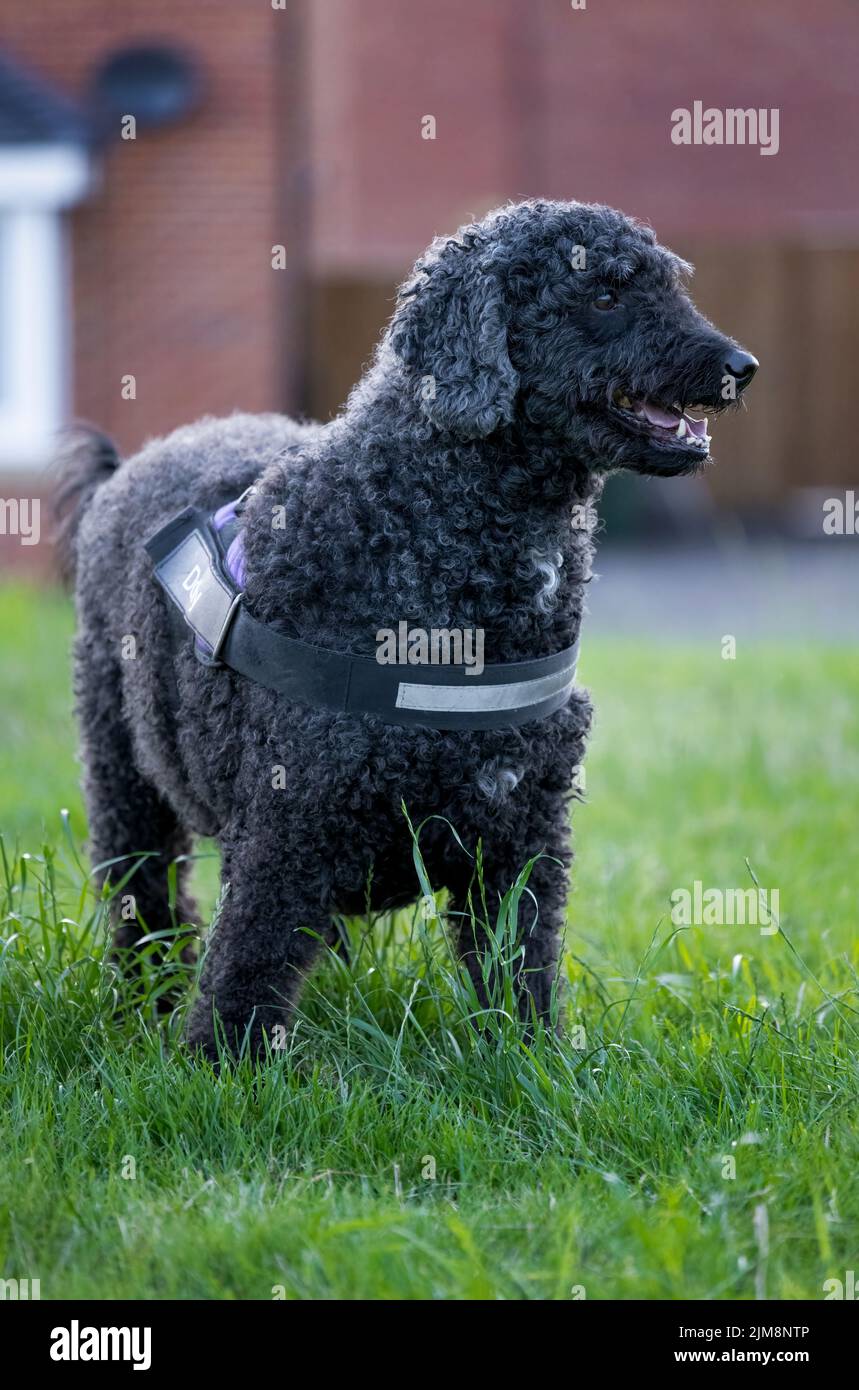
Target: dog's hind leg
{"points": [[128, 821]]}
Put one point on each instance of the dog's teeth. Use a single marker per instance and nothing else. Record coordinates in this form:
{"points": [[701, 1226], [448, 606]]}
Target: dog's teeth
{"points": [[681, 429]]}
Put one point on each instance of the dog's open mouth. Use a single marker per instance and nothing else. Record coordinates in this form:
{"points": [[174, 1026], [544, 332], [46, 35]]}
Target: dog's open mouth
{"points": [[670, 425]]}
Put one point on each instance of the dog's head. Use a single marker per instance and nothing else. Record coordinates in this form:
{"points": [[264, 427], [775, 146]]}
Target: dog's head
{"points": [[573, 321]]}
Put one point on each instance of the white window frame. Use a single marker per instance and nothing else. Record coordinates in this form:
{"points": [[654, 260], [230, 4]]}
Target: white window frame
{"points": [[36, 184]]}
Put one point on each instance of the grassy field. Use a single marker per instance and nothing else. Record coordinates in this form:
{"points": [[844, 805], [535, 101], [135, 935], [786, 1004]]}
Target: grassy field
{"points": [[693, 1135]]}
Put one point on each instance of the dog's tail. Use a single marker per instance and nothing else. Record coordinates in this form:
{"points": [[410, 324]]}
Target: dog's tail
{"points": [[86, 459]]}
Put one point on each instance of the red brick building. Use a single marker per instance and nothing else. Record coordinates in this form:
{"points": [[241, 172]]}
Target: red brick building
{"points": [[171, 277], [305, 129]]}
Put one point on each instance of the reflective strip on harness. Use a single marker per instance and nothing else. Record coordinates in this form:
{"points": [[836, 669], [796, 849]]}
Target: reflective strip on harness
{"points": [[473, 698], [190, 565]]}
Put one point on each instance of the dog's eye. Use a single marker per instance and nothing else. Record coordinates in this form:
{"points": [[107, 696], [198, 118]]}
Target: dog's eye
{"points": [[606, 299]]}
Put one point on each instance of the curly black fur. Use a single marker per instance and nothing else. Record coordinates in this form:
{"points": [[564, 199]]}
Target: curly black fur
{"points": [[449, 493]]}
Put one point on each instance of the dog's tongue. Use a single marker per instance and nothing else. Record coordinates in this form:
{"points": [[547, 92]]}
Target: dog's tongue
{"points": [[697, 428], [660, 417]]}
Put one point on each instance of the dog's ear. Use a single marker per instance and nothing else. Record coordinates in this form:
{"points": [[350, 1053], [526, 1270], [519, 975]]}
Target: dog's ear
{"points": [[450, 332]]}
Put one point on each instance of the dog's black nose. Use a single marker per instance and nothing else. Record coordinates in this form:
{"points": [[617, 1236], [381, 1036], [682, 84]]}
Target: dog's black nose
{"points": [[741, 366]]}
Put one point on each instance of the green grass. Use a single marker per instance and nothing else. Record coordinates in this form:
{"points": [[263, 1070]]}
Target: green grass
{"points": [[396, 1153]]}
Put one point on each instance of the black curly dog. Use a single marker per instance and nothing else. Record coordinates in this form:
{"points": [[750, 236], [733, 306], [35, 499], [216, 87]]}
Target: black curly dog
{"points": [[527, 357]]}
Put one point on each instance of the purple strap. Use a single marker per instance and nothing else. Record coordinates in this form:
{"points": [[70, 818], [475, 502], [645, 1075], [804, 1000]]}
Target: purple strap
{"points": [[234, 560], [235, 557]]}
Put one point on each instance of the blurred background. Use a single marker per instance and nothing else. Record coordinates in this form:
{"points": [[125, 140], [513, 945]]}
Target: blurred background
{"points": [[300, 124]]}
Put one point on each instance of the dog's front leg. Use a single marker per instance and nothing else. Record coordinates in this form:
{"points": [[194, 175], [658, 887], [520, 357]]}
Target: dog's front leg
{"points": [[539, 920], [259, 951]]}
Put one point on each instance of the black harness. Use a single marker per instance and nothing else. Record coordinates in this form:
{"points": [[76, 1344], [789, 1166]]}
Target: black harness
{"points": [[194, 559]]}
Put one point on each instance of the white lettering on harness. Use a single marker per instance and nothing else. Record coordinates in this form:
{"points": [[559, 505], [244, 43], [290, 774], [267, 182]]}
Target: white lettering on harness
{"points": [[193, 585]]}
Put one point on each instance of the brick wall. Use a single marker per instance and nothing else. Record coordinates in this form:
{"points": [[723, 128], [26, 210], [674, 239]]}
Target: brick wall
{"points": [[172, 277], [535, 98]]}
